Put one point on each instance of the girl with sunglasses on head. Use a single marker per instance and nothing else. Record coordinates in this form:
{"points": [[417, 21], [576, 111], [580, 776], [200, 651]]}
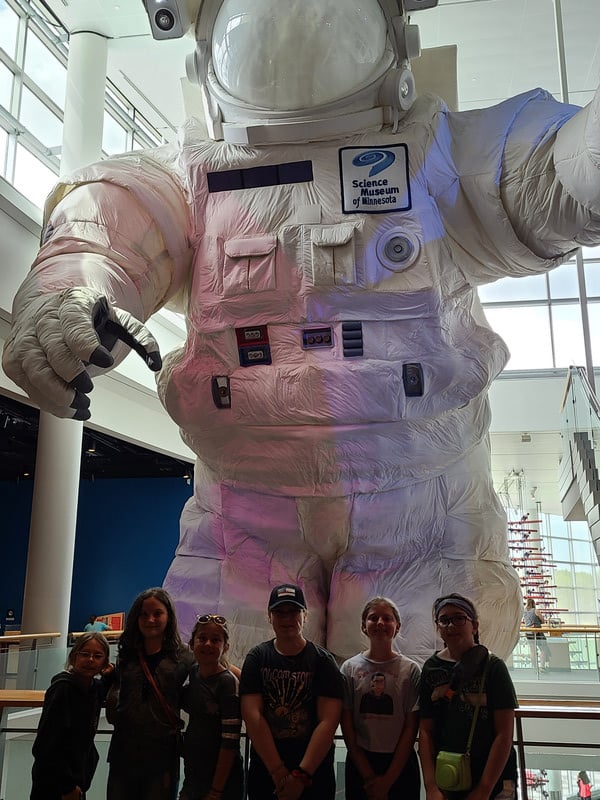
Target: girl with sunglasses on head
{"points": [[380, 717], [65, 757], [211, 749], [144, 702], [460, 683]]}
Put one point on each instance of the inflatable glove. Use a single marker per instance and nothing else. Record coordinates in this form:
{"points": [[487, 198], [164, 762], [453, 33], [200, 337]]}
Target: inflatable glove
{"points": [[60, 339]]}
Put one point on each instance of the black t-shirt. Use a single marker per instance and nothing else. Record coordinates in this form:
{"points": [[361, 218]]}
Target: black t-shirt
{"points": [[452, 718], [290, 687]]}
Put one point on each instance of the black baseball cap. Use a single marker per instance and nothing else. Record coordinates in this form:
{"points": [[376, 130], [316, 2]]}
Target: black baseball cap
{"points": [[287, 593]]}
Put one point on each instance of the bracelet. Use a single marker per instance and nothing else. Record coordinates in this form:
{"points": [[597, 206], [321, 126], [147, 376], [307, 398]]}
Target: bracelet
{"points": [[304, 772], [302, 775], [216, 791]]}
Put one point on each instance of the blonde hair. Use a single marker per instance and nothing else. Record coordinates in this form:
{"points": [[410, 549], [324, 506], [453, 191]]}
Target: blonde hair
{"points": [[84, 640]]}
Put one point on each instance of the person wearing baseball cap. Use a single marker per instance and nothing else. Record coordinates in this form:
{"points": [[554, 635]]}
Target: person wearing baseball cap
{"points": [[291, 694]]}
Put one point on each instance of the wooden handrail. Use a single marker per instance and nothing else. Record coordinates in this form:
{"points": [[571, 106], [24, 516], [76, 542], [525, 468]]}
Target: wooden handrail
{"points": [[108, 634], [538, 702], [528, 707], [21, 698], [27, 637], [563, 629]]}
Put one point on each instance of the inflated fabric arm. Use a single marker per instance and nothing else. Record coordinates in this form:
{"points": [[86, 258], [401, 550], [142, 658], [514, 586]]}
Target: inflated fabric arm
{"points": [[553, 197], [577, 156], [115, 249]]}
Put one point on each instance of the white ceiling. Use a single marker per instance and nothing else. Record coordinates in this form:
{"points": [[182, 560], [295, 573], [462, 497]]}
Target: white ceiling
{"points": [[526, 471], [504, 47]]}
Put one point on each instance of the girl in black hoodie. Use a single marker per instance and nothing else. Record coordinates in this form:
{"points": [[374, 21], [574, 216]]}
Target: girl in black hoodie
{"points": [[64, 754]]}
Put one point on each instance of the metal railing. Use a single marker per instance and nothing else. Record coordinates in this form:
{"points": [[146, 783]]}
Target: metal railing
{"points": [[544, 730], [572, 653], [541, 730]]}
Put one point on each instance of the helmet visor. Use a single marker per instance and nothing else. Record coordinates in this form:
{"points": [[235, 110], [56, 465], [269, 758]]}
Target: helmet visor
{"points": [[287, 55]]}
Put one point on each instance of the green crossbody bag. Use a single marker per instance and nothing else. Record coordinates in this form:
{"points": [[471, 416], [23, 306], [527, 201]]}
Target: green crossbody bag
{"points": [[453, 770]]}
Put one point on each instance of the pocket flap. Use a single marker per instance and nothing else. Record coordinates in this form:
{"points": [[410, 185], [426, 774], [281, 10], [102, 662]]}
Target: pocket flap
{"points": [[332, 235], [255, 246]]}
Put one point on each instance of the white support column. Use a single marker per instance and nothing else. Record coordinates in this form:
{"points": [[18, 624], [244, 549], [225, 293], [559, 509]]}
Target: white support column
{"points": [[54, 511]]}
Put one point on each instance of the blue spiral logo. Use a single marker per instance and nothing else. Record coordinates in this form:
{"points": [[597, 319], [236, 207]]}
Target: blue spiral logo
{"points": [[378, 160]]}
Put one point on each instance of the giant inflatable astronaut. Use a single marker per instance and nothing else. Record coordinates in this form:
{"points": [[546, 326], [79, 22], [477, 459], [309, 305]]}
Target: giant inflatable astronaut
{"points": [[325, 242]]}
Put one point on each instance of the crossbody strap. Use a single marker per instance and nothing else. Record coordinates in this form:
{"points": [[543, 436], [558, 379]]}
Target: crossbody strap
{"points": [[477, 705], [171, 715]]}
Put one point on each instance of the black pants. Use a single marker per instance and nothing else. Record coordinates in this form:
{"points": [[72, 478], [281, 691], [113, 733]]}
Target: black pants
{"points": [[132, 786], [406, 787], [261, 787]]}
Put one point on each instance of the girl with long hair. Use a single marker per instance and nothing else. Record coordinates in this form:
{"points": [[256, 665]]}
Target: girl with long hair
{"points": [[145, 700]]}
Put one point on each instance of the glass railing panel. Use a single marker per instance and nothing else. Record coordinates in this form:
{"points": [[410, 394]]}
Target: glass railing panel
{"points": [[16, 772], [24, 668], [551, 764], [581, 411], [573, 657]]}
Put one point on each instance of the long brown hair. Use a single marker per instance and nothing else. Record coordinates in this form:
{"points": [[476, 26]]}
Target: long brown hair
{"points": [[132, 641]]}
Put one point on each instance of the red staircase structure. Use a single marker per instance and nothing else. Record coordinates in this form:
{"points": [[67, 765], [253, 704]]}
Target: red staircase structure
{"points": [[534, 565]]}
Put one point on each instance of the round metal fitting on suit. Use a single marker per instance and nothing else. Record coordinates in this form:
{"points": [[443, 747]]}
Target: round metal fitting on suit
{"points": [[397, 249]]}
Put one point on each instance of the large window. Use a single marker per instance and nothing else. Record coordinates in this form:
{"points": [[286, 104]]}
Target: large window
{"points": [[9, 26], [548, 308], [506, 47], [33, 81], [576, 574]]}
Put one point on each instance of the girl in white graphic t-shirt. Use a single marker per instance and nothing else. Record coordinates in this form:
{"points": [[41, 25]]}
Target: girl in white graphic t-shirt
{"points": [[380, 716]]}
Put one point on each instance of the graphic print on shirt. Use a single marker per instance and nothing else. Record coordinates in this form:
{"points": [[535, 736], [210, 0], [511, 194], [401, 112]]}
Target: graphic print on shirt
{"points": [[377, 700], [288, 702], [468, 695]]}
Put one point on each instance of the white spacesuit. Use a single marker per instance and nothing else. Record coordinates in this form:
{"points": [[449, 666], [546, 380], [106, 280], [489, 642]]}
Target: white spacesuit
{"points": [[325, 244]]}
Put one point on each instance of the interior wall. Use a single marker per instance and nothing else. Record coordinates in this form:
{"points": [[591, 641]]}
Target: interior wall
{"points": [[19, 241], [127, 532]]}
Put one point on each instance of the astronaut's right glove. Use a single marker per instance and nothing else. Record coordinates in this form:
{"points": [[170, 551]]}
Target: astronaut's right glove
{"points": [[59, 339]]}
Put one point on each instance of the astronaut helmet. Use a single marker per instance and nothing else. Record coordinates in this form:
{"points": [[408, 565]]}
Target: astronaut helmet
{"points": [[298, 65]]}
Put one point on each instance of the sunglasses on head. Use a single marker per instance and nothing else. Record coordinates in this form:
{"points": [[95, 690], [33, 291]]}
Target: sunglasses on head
{"points": [[204, 618]]}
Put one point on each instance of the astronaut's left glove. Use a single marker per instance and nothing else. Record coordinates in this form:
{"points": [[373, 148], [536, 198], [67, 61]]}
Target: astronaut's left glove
{"points": [[60, 339]]}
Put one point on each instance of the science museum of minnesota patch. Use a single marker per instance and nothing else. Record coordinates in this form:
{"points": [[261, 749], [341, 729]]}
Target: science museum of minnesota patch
{"points": [[374, 180]]}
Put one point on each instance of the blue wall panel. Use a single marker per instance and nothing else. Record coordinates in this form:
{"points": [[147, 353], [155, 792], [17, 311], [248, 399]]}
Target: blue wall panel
{"points": [[127, 532]]}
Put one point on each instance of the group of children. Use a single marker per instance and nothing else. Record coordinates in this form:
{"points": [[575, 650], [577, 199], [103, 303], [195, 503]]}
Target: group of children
{"points": [[157, 675]]}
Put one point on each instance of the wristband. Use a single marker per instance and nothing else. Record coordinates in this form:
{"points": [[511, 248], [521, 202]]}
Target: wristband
{"points": [[302, 775]]}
